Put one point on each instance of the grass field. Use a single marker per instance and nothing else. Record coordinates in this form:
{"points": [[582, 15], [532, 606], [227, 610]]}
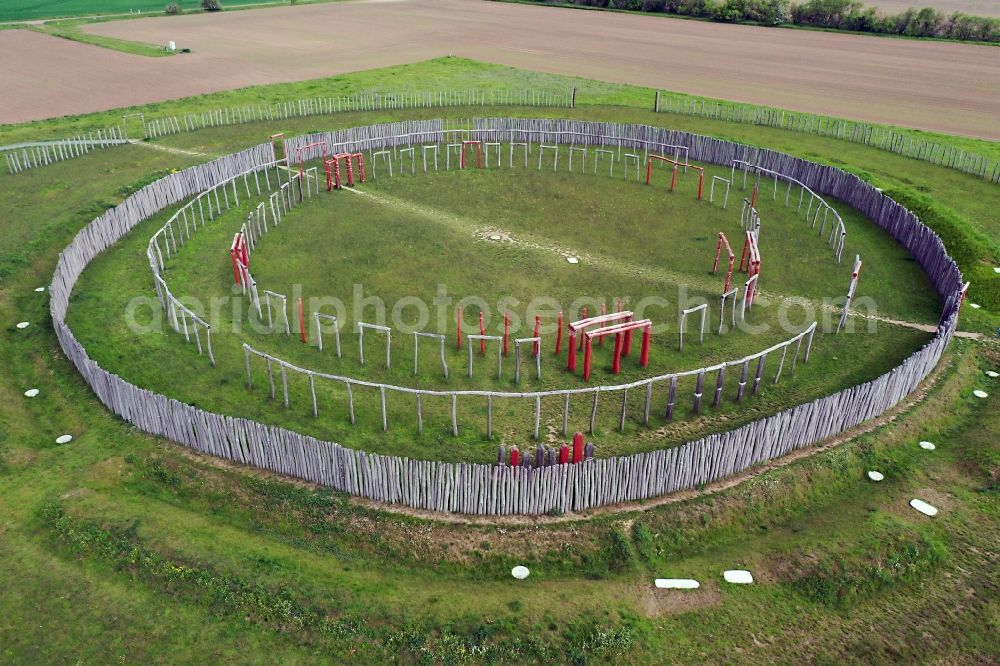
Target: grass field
{"points": [[123, 547], [419, 236]]}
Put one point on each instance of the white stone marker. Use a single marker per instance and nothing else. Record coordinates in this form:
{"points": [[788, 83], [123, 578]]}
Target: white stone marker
{"points": [[519, 572], [980, 394], [927, 446], [31, 393], [923, 507], [738, 577], [994, 375], [23, 325], [676, 583], [40, 289], [572, 260], [876, 476], [64, 439]]}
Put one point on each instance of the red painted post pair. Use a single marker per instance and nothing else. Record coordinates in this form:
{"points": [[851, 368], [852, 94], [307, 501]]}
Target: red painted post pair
{"points": [[240, 257]]}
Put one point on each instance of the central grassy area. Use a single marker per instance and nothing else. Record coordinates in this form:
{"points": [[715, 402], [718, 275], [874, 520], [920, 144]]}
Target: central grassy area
{"points": [[406, 251]]}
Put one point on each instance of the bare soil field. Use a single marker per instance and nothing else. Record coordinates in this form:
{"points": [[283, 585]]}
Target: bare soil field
{"points": [[974, 7], [930, 85]]}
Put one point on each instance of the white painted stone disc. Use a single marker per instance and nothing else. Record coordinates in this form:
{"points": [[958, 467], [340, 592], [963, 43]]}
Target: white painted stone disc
{"points": [[496, 237], [980, 394], [676, 584], [519, 572], [876, 476], [23, 325], [738, 576], [923, 507], [31, 393], [975, 306], [990, 373], [572, 260], [929, 446], [996, 269], [64, 439], [40, 289]]}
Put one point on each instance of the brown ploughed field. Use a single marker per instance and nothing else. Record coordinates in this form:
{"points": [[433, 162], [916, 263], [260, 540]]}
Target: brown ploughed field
{"points": [[946, 87]]}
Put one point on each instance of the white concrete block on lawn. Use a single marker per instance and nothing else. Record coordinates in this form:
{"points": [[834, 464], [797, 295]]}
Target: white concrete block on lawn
{"points": [[676, 583], [738, 576], [923, 507]]}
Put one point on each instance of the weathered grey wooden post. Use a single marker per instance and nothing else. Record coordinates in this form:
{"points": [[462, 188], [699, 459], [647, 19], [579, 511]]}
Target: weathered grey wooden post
{"points": [[699, 389], [719, 379], [671, 398]]}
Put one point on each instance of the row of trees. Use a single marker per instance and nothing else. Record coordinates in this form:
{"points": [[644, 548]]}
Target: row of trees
{"points": [[174, 9], [835, 14]]}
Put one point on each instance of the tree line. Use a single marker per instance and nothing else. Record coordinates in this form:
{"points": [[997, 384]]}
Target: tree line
{"points": [[830, 14]]}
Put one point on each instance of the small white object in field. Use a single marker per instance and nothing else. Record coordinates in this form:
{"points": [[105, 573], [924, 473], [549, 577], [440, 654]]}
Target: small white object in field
{"points": [[974, 306], [994, 375], [572, 260], [676, 583], [23, 325], [64, 439], [876, 476], [927, 445], [40, 289], [923, 507], [996, 269], [496, 237], [738, 577], [519, 572], [980, 394], [31, 393]]}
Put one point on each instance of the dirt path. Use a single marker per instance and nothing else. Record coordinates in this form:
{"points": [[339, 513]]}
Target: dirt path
{"points": [[932, 85]]}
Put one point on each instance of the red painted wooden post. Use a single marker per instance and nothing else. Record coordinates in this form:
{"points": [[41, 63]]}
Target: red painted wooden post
{"points": [[515, 456], [482, 331], [302, 323], [459, 319], [616, 363], [627, 343], [571, 352], [559, 333], [237, 277], [649, 170], [587, 353], [578, 447], [701, 184], [506, 332], [753, 197], [564, 454], [647, 333], [538, 331], [673, 179]]}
